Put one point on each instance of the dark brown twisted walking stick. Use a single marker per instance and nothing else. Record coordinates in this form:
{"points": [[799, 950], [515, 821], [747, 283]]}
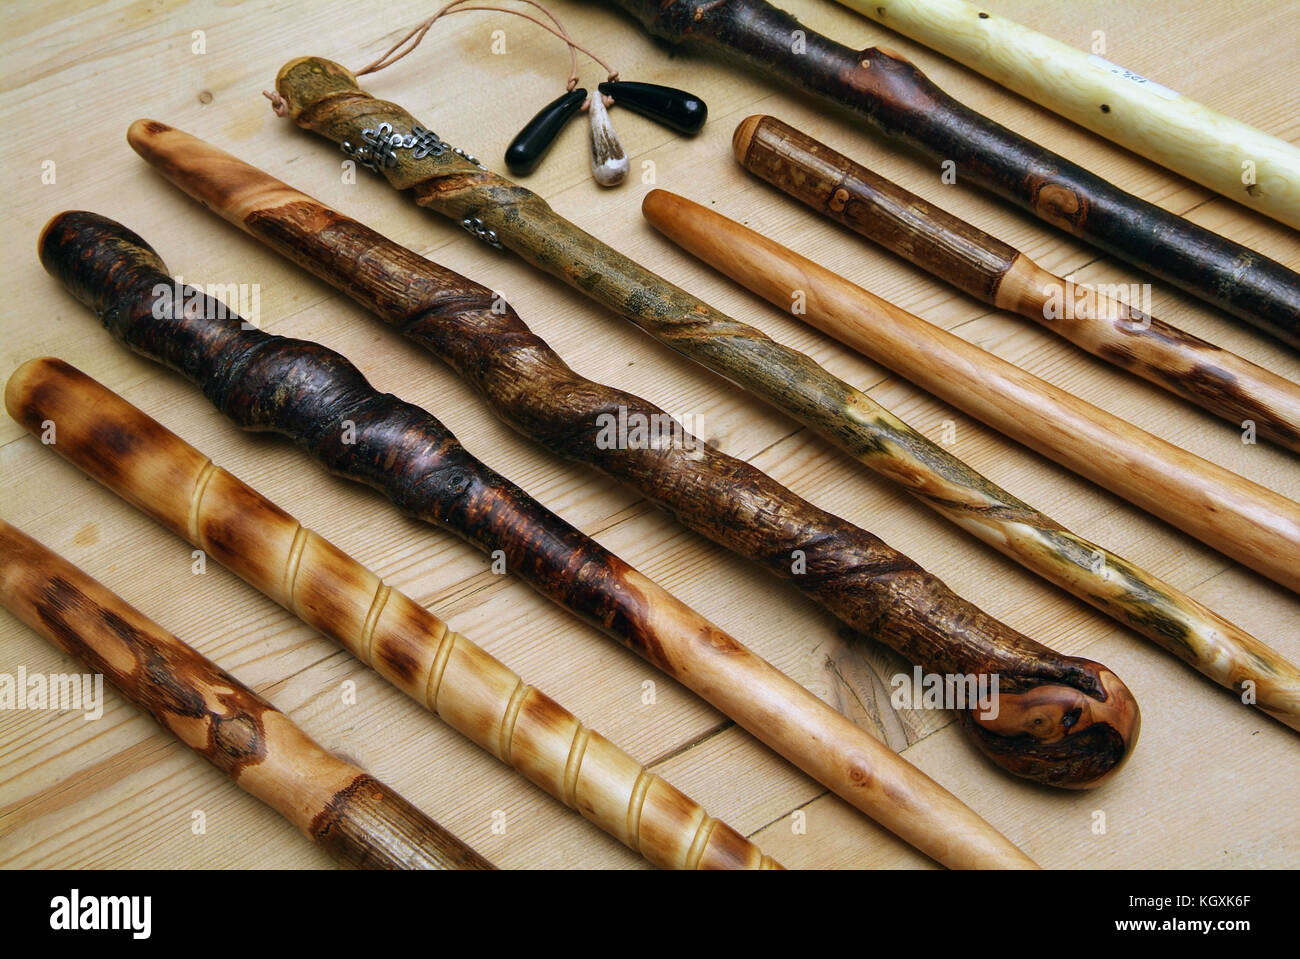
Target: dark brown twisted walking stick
{"points": [[316, 397]]}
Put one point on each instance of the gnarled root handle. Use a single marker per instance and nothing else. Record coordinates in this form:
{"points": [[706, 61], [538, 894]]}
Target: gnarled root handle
{"points": [[474, 693], [862, 580], [355, 818], [990, 270], [316, 397]]}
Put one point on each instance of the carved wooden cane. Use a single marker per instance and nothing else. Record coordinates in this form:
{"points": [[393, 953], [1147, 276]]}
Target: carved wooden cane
{"points": [[414, 650], [901, 102], [324, 97], [1138, 114], [868, 585], [1002, 276], [355, 818], [311, 394]]}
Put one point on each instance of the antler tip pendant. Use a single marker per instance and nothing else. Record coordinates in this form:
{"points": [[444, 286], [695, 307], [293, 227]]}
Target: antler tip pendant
{"points": [[609, 163]]}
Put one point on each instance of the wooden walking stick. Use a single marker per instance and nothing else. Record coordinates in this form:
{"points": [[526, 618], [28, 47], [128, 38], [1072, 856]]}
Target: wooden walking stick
{"points": [[899, 101], [351, 815], [323, 97], [1158, 476], [868, 585], [414, 650], [1254, 525], [320, 400], [1216, 151], [1004, 277]]}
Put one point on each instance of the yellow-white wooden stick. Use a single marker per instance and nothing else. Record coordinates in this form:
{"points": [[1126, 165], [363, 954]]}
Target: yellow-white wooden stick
{"points": [[1226, 155]]}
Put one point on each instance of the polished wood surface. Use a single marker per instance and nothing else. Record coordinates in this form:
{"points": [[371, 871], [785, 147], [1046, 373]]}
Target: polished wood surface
{"points": [[413, 649], [1098, 320], [357, 819], [1210, 781], [1139, 113], [1108, 450]]}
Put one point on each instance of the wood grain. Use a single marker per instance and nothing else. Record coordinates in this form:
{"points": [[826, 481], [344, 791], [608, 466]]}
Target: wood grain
{"points": [[1108, 450], [470, 690], [1043, 697], [355, 818], [952, 249], [901, 102], [78, 795], [1138, 113], [318, 399]]}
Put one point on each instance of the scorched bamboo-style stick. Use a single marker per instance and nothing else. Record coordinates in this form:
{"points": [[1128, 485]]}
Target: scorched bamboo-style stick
{"points": [[470, 690]]}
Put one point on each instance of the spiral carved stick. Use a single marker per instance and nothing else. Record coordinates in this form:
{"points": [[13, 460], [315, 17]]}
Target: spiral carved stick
{"points": [[1159, 476], [899, 101], [1004, 277], [352, 816], [414, 650], [317, 398], [867, 584]]}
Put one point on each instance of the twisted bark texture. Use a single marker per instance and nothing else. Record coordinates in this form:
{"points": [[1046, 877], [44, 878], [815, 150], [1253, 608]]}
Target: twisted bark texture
{"points": [[355, 818], [903, 104], [316, 397], [867, 584]]}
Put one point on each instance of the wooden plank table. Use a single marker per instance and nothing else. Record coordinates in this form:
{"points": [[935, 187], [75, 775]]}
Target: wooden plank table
{"points": [[1211, 783]]}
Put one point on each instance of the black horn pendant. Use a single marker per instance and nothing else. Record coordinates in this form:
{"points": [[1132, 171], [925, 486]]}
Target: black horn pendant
{"points": [[677, 109], [531, 143]]}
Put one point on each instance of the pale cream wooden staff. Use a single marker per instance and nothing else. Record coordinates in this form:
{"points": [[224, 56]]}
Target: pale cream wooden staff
{"points": [[1226, 155], [1256, 526], [414, 650]]}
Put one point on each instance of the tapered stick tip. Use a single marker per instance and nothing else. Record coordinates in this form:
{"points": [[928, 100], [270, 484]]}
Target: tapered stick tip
{"points": [[744, 136], [143, 131]]}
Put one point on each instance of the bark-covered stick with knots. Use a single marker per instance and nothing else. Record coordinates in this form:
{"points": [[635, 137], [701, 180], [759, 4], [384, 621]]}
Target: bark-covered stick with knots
{"points": [[413, 649], [317, 398], [867, 584], [901, 102], [356, 819]]}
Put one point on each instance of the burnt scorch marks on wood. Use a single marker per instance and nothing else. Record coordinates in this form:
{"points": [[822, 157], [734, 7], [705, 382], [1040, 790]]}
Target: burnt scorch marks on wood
{"points": [[632, 608], [863, 581], [406, 644], [166, 680], [977, 263], [223, 721], [365, 809], [903, 104]]}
